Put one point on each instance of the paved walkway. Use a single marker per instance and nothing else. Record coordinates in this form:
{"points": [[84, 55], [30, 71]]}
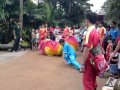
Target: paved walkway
{"points": [[9, 56], [27, 70]]}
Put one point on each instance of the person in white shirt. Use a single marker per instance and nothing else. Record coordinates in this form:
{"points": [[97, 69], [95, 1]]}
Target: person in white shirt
{"points": [[33, 39], [37, 36]]}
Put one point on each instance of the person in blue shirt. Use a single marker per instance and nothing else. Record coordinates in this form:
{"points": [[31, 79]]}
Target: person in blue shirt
{"points": [[118, 30], [69, 54], [113, 31]]}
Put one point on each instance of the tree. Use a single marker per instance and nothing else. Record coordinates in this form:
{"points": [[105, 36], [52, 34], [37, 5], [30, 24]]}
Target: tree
{"points": [[111, 7]]}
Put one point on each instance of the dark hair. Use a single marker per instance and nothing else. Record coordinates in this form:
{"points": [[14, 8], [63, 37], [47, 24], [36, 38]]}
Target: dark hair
{"points": [[118, 25], [104, 24], [114, 22], [92, 17], [61, 41]]}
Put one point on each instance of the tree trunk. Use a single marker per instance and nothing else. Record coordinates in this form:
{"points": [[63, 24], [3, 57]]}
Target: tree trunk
{"points": [[21, 14]]}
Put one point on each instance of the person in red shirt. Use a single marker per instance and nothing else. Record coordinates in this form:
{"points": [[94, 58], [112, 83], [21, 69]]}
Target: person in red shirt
{"points": [[94, 63], [109, 49], [66, 32], [102, 32], [43, 33], [43, 36]]}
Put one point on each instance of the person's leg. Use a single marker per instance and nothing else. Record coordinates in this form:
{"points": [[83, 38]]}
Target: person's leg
{"points": [[74, 62], [67, 59], [14, 46], [89, 76], [17, 44]]}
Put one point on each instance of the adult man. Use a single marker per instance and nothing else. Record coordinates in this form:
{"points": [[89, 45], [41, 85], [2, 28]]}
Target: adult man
{"points": [[93, 63], [16, 33], [113, 31], [69, 54]]}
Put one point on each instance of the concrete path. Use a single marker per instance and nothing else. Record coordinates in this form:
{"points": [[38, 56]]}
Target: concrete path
{"points": [[30, 71], [9, 56]]}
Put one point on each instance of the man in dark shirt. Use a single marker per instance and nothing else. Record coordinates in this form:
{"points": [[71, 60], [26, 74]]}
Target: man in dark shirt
{"points": [[16, 33]]}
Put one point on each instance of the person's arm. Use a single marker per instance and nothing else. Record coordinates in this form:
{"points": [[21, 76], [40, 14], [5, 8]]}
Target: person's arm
{"points": [[88, 43], [116, 50], [85, 54], [104, 34]]}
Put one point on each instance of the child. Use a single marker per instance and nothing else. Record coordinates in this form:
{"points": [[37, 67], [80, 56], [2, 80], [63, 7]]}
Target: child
{"points": [[69, 54], [109, 49], [58, 37], [36, 38], [33, 39]]}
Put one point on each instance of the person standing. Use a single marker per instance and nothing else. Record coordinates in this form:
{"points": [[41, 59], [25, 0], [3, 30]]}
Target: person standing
{"points": [[37, 37], [33, 39], [52, 35], [113, 31], [66, 32], [102, 32], [58, 34], [118, 33], [16, 33], [94, 63], [106, 37], [43, 33], [43, 36], [77, 36]]}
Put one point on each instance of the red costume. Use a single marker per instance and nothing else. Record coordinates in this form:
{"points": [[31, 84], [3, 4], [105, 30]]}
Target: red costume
{"points": [[43, 33], [117, 39], [66, 32], [108, 51], [95, 64], [52, 30], [102, 32]]}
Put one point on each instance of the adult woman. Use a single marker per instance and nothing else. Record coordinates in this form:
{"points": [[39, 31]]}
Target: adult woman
{"points": [[43, 33]]}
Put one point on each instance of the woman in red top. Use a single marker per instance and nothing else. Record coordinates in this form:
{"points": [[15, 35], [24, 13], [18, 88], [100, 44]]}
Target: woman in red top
{"points": [[66, 32], [43, 33]]}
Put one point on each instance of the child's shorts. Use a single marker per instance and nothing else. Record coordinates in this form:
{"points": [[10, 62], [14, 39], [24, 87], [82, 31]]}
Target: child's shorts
{"points": [[113, 68]]}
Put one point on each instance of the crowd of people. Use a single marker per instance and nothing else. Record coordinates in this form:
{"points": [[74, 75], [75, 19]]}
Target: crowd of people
{"points": [[56, 33], [100, 45]]}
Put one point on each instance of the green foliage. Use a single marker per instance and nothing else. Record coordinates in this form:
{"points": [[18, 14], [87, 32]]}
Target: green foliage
{"points": [[53, 12], [24, 44], [111, 7]]}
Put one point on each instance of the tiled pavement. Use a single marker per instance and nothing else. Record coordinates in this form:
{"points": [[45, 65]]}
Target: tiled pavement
{"points": [[9, 56]]}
